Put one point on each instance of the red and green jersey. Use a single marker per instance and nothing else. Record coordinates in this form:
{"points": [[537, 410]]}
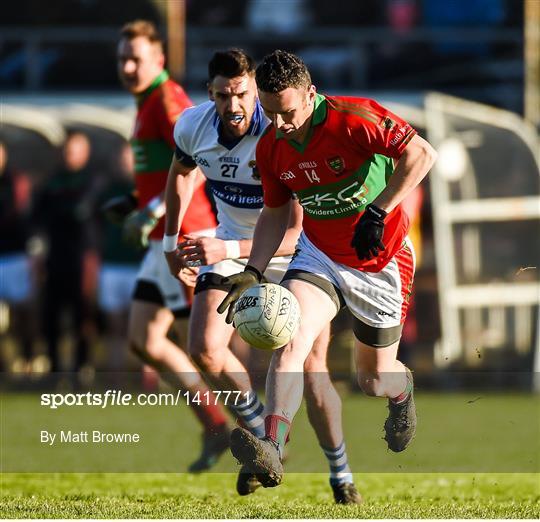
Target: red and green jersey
{"points": [[342, 166], [158, 109]]}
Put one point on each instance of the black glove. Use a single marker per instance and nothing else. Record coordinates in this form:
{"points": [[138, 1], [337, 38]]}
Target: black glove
{"points": [[368, 233], [138, 226], [239, 284], [118, 208]]}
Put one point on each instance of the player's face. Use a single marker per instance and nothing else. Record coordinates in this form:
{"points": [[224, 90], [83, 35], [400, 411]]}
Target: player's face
{"points": [[290, 110], [139, 62], [235, 100]]}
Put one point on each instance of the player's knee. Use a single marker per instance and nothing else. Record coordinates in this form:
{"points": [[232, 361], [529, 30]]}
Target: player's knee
{"points": [[147, 344], [207, 361], [203, 342], [315, 364], [293, 356], [289, 359], [372, 384]]}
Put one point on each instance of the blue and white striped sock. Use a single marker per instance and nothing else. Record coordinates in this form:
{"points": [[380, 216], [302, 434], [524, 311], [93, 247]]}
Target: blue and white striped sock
{"points": [[251, 414], [340, 472]]}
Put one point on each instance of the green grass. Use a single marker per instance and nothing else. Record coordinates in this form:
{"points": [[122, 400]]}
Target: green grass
{"points": [[300, 496], [476, 455]]}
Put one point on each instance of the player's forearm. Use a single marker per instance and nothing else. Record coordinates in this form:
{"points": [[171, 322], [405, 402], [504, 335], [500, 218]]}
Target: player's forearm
{"points": [[269, 236], [414, 164], [245, 246], [288, 243], [178, 194], [290, 239]]}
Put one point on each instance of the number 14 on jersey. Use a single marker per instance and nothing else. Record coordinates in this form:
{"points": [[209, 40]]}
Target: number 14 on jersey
{"points": [[312, 176]]}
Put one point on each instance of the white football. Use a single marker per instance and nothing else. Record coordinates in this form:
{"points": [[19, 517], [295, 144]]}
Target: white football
{"points": [[267, 316]]}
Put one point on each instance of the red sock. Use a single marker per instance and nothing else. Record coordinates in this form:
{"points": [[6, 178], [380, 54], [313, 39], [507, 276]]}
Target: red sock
{"points": [[405, 394], [277, 428], [211, 416]]}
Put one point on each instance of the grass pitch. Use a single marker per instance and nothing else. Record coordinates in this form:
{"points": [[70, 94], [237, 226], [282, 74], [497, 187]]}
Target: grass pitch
{"points": [[460, 437], [300, 496]]}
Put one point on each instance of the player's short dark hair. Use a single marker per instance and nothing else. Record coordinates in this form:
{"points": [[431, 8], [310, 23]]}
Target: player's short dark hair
{"points": [[230, 64], [142, 28], [280, 70]]}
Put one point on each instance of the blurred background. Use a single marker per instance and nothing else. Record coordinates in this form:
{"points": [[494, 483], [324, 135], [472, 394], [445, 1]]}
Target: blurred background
{"points": [[464, 73]]}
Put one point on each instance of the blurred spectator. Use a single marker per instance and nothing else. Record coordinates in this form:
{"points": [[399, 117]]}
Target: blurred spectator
{"points": [[16, 281], [393, 62], [119, 263], [402, 15], [63, 210]]}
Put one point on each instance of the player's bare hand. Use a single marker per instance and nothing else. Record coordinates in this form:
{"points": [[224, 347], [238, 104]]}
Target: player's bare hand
{"points": [[176, 263], [239, 284], [188, 276], [202, 250]]}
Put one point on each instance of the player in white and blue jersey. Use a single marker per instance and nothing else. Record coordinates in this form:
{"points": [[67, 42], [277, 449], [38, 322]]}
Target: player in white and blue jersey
{"points": [[220, 138]]}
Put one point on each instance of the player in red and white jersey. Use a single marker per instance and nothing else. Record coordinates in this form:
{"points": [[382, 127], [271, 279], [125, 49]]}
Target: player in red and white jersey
{"points": [[159, 300], [350, 162]]}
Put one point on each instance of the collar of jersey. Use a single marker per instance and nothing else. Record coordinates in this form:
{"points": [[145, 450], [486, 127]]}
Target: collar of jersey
{"points": [[256, 127], [162, 77], [319, 115]]}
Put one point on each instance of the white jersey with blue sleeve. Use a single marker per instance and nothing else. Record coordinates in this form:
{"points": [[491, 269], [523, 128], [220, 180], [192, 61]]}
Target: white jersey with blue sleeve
{"points": [[229, 167]]}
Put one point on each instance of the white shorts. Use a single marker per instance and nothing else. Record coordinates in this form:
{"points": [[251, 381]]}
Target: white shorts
{"points": [[155, 284], [116, 286], [274, 273], [15, 278], [379, 300]]}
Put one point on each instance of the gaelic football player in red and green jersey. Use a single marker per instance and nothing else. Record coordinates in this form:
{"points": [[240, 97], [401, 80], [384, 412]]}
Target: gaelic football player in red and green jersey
{"points": [[350, 162], [215, 135], [159, 300]]}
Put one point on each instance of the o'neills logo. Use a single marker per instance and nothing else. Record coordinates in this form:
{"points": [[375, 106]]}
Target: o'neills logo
{"points": [[246, 302], [337, 164]]}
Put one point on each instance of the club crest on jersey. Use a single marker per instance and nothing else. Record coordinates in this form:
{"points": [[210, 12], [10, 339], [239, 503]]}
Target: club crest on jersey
{"points": [[336, 163], [254, 172]]}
